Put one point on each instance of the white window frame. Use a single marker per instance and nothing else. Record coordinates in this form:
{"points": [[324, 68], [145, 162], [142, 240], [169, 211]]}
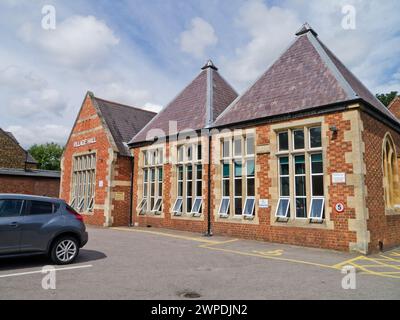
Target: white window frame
{"points": [[253, 208], [295, 175], [293, 139], [287, 208], [309, 138], [197, 212], [226, 214], [157, 208], [177, 211], [321, 215]]}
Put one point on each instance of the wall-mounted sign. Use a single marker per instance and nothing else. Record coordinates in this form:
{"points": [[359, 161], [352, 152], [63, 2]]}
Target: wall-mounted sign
{"points": [[84, 142], [338, 177], [339, 207], [263, 203], [119, 196], [101, 183]]}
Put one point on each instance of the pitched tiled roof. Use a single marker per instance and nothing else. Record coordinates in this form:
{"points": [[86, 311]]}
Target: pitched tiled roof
{"points": [[30, 173], [123, 121], [306, 76], [192, 109], [29, 157]]}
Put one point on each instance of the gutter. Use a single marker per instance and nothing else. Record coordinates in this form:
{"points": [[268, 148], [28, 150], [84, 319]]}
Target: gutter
{"points": [[209, 231]]}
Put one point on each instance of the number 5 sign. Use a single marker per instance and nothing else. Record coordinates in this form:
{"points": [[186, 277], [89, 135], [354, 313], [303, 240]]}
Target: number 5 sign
{"points": [[339, 207]]}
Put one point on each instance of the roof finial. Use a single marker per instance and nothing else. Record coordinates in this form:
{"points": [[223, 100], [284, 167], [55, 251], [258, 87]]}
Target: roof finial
{"points": [[209, 64], [306, 28]]}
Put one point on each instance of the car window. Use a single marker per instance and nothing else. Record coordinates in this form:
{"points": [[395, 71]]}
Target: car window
{"points": [[10, 208], [39, 207]]}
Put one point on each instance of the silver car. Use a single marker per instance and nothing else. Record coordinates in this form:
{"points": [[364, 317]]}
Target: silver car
{"points": [[31, 225]]}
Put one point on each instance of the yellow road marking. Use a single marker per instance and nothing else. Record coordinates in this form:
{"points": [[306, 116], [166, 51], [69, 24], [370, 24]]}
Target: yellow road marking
{"points": [[177, 236], [276, 255]]}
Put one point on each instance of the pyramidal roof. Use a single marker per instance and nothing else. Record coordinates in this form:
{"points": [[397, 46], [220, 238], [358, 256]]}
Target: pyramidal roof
{"points": [[195, 108], [306, 76]]}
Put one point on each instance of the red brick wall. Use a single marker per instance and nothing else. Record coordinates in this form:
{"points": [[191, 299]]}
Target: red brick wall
{"points": [[30, 185], [385, 228], [394, 107], [337, 239], [168, 222], [121, 208], [101, 147]]}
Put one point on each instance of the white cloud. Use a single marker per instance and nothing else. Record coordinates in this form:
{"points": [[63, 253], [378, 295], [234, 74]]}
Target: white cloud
{"points": [[200, 36], [16, 78], [77, 41], [270, 30], [31, 134], [152, 107]]}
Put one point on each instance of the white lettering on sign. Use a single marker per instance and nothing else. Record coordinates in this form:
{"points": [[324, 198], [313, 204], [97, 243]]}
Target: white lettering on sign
{"points": [[339, 207], [263, 203], [84, 142], [339, 177]]}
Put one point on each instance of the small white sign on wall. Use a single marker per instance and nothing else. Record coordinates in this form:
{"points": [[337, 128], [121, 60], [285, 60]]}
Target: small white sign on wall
{"points": [[101, 183], [338, 177], [263, 203]]}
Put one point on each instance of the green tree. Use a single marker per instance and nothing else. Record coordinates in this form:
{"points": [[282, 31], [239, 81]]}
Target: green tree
{"points": [[48, 155], [387, 98]]}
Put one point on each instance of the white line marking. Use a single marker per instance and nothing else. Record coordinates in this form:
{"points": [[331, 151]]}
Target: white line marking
{"points": [[40, 271]]}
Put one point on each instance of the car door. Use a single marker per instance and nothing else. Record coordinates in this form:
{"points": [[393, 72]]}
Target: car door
{"points": [[38, 225], [10, 225]]}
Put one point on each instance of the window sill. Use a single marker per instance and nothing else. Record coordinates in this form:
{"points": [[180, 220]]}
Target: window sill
{"points": [[237, 219], [393, 211], [187, 216], [302, 223]]}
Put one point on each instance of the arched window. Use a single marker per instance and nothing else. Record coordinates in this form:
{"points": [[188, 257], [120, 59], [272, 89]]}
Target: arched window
{"points": [[390, 172]]}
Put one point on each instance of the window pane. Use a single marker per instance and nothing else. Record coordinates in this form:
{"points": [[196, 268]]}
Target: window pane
{"points": [[199, 186], [300, 186], [160, 185], [180, 173], [145, 191], [40, 207], [315, 137], [316, 163], [238, 187], [238, 147], [178, 205], [285, 188], [226, 145], [226, 170], [225, 186], [188, 204], [180, 189], [283, 206], [197, 205], [160, 174], [10, 208], [283, 141], [238, 169], [249, 145], [317, 186], [189, 173], [189, 152], [199, 172], [300, 164], [249, 207], [298, 137], [316, 208], [250, 167], [250, 187], [189, 189], [301, 208], [224, 206], [238, 206], [284, 166], [199, 152]]}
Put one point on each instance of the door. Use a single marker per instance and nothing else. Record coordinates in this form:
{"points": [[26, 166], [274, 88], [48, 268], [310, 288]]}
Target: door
{"points": [[10, 225], [38, 225]]}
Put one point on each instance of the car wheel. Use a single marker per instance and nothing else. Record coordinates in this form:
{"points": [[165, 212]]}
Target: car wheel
{"points": [[64, 250]]}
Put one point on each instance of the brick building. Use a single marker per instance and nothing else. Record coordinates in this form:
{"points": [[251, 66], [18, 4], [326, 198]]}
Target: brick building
{"points": [[394, 107], [19, 173], [97, 165], [306, 156]]}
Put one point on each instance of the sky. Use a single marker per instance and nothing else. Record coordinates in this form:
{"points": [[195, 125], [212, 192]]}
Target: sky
{"points": [[144, 52]]}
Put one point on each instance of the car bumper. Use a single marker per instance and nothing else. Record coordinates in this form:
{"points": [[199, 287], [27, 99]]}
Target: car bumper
{"points": [[84, 239]]}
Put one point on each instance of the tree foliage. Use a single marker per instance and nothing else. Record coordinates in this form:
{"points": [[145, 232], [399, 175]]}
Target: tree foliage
{"points": [[387, 98], [48, 155]]}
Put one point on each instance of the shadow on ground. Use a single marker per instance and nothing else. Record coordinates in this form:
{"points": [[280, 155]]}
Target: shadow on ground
{"points": [[12, 264]]}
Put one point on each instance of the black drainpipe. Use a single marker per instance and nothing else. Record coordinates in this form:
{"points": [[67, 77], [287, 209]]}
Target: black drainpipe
{"points": [[209, 232], [131, 191]]}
